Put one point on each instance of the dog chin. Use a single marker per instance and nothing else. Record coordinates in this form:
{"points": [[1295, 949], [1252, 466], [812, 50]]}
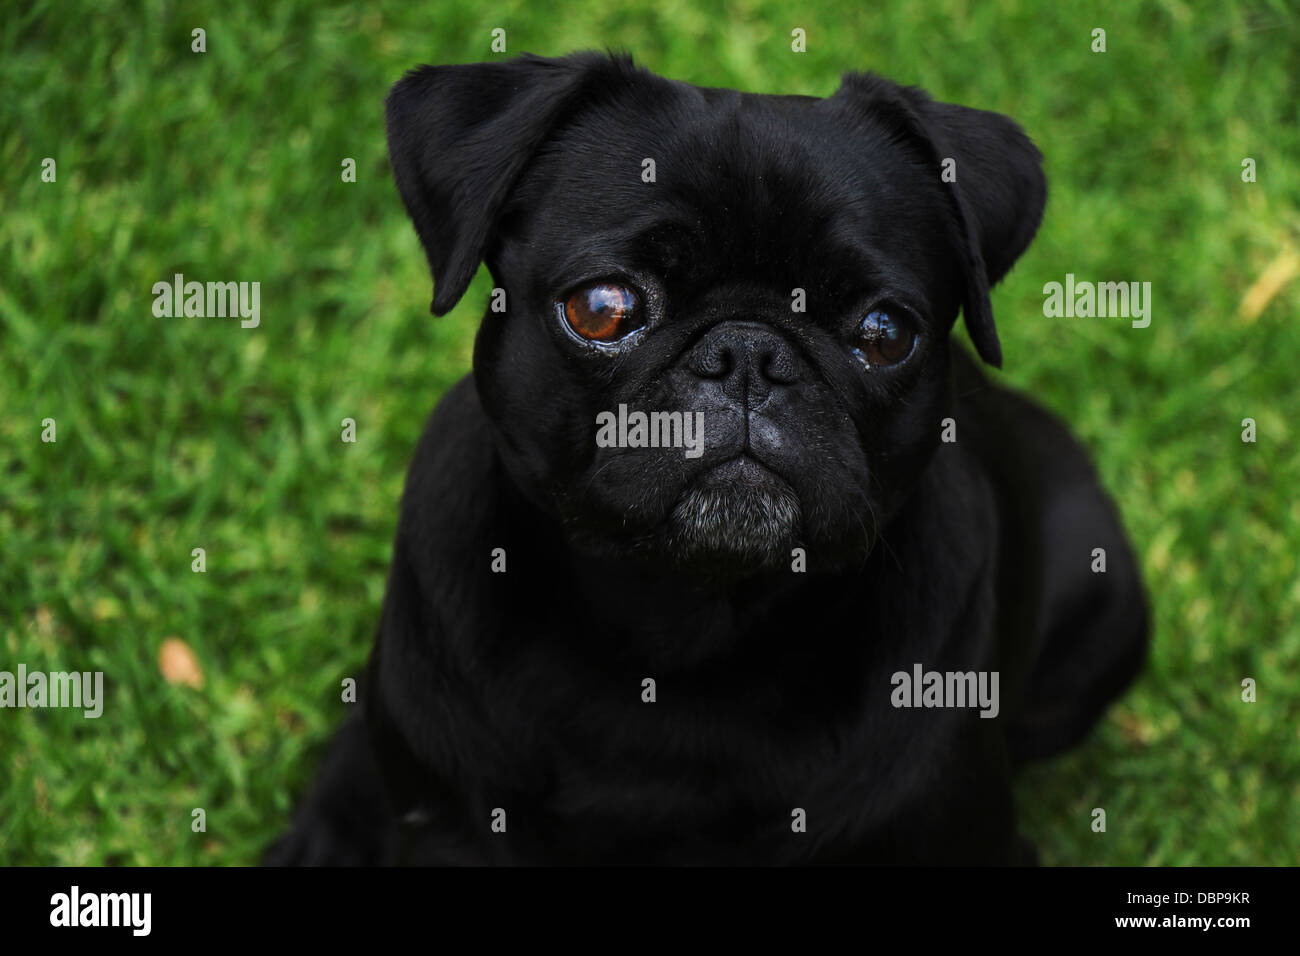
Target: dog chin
{"points": [[738, 519]]}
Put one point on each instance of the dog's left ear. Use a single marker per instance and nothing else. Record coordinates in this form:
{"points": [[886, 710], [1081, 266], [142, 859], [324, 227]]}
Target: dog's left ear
{"points": [[460, 136], [997, 191]]}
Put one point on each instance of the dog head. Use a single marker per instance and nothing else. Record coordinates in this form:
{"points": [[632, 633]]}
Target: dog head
{"points": [[720, 324]]}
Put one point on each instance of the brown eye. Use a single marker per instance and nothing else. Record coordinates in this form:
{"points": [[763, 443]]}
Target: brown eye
{"points": [[603, 312], [884, 339]]}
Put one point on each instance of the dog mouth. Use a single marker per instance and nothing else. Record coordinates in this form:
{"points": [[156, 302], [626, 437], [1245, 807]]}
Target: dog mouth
{"points": [[738, 517]]}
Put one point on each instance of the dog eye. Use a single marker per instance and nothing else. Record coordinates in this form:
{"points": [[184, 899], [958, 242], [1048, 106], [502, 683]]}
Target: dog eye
{"points": [[603, 312], [884, 339]]}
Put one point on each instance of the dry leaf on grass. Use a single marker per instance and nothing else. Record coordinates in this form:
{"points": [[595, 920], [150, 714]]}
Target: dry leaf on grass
{"points": [[178, 664]]}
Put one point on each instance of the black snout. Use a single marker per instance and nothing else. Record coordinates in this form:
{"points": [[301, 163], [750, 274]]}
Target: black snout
{"points": [[747, 360]]}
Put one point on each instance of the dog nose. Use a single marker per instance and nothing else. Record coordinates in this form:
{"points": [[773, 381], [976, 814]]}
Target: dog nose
{"points": [[746, 359]]}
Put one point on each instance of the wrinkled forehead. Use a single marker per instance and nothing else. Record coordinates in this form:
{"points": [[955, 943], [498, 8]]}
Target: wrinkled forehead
{"points": [[710, 184]]}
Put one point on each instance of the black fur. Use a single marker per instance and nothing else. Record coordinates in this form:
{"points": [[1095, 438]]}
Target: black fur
{"points": [[523, 690]]}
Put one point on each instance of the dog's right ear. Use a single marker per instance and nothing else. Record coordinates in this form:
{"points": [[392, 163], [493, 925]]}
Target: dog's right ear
{"points": [[998, 198], [458, 139]]}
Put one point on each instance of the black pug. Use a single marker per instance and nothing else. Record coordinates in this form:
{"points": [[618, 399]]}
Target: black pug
{"points": [[723, 554]]}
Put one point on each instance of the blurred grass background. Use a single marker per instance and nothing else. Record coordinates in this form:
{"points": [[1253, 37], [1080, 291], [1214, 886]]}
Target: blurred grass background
{"points": [[182, 433]]}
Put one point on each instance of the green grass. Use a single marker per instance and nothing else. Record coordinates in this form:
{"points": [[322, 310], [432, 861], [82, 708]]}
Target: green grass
{"points": [[183, 433]]}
